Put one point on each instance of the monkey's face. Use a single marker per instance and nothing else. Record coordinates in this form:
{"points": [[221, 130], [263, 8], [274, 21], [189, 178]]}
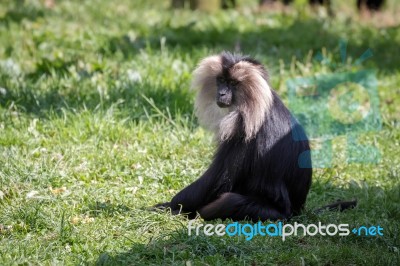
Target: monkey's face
{"points": [[232, 90], [226, 88]]}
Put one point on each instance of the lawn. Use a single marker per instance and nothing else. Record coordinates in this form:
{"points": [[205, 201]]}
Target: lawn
{"points": [[97, 124]]}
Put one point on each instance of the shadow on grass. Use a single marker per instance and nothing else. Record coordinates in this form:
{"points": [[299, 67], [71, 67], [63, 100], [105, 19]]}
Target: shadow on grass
{"points": [[106, 209], [21, 12], [177, 247], [377, 206], [297, 39], [272, 44], [130, 100]]}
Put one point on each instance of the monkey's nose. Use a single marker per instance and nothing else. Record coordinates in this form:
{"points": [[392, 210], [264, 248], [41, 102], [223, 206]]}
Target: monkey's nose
{"points": [[222, 93]]}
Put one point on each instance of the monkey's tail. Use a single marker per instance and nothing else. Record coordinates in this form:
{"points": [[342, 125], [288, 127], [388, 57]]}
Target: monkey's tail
{"points": [[338, 206]]}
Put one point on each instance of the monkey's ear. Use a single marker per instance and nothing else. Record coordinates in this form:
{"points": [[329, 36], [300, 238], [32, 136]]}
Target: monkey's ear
{"points": [[206, 72]]}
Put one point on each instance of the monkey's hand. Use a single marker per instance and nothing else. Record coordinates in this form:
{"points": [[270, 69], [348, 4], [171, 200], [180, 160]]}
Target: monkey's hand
{"points": [[162, 206]]}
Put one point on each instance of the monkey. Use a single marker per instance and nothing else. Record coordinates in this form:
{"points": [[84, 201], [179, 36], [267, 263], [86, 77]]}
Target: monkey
{"points": [[256, 173], [262, 167]]}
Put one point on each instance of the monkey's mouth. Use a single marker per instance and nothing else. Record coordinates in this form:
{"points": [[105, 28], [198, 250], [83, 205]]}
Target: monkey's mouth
{"points": [[223, 104]]}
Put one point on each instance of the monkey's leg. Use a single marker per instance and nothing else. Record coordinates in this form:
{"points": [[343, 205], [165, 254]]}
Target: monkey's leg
{"points": [[201, 192], [238, 207]]}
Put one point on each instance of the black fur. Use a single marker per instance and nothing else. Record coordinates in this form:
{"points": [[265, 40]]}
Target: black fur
{"points": [[258, 180]]}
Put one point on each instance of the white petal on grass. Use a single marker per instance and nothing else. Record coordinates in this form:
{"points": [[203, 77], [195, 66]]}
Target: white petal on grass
{"points": [[1, 195], [66, 193], [68, 248], [133, 76], [35, 195], [32, 194], [131, 189], [136, 166], [10, 67]]}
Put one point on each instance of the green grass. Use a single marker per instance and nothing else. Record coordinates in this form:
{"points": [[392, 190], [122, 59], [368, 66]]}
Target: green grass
{"points": [[97, 124]]}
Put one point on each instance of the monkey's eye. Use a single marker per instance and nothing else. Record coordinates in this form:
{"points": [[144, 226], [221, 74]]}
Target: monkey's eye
{"points": [[233, 82]]}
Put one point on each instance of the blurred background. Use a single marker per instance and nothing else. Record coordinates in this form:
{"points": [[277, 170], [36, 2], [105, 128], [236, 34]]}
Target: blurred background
{"points": [[76, 38]]}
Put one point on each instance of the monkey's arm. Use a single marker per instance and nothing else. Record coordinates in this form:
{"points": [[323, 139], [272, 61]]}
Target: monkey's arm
{"points": [[193, 197], [200, 192]]}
